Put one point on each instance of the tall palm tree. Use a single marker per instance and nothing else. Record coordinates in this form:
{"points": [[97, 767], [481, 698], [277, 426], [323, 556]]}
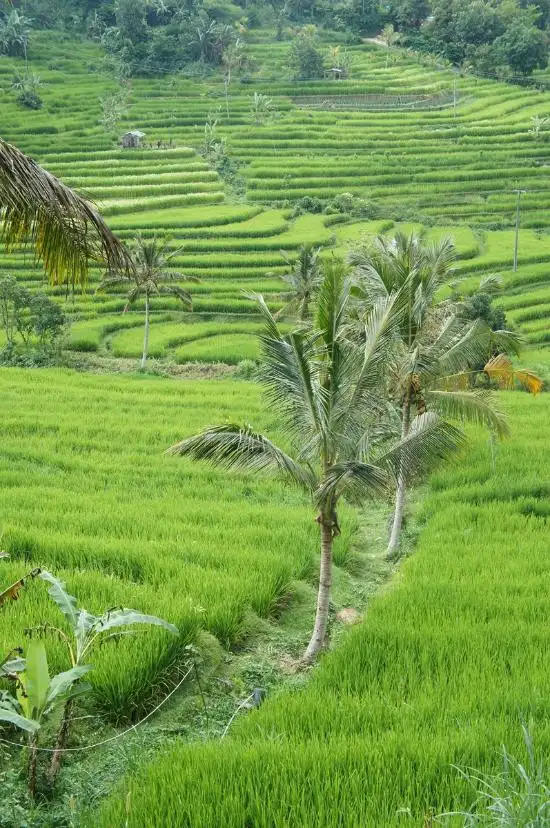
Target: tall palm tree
{"points": [[147, 278], [65, 229], [329, 392], [426, 372], [304, 279]]}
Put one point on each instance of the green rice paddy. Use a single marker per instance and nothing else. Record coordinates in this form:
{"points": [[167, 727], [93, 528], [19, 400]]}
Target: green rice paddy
{"points": [[452, 658]]}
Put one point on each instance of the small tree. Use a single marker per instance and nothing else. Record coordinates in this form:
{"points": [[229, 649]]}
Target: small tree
{"points": [[328, 390], [26, 87], [304, 279], [305, 59], [261, 108], [390, 38], [86, 632], [538, 125], [148, 279], [114, 107], [37, 697], [13, 300], [24, 314]]}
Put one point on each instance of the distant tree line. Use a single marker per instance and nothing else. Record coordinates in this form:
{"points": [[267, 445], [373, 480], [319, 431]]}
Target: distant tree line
{"points": [[503, 37]]}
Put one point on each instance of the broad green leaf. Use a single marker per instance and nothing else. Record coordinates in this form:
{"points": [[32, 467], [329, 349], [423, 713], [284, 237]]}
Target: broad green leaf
{"points": [[61, 684], [29, 725], [58, 593], [16, 665], [126, 617], [8, 702], [85, 624], [38, 677]]}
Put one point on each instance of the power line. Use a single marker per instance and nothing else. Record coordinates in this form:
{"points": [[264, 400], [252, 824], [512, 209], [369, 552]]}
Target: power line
{"points": [[111, 738]]}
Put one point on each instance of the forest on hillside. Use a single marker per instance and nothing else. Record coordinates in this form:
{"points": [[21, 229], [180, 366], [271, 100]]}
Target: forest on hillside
{"points": [[149, 37]]}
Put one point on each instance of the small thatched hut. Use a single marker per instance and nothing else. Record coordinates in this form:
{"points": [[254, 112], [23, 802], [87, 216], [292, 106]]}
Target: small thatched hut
{"points": [[132, 140]]}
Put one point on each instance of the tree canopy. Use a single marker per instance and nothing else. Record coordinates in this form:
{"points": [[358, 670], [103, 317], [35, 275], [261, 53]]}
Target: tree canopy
{"points": [[504, 37]]}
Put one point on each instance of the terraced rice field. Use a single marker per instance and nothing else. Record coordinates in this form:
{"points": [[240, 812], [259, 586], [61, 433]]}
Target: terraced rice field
{"points": [[452, 660], [86, 491], [448, 666], [447, 170]]}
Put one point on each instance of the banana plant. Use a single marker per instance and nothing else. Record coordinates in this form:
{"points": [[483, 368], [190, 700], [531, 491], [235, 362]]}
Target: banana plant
{"points": [[37, 696], [86, 630]]}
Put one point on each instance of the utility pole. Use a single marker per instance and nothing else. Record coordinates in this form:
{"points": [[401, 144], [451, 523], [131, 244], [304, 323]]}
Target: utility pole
{"points": [[516, 245]]}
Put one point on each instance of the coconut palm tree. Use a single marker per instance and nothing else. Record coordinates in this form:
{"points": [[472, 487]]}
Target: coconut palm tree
{"points": [[329, 392], [304, 279], [65, 229], [146, 279], [427, 371]]}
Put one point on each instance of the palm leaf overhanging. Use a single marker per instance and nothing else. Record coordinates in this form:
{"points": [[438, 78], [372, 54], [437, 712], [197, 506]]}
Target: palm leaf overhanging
{"points": [[65, 229]]}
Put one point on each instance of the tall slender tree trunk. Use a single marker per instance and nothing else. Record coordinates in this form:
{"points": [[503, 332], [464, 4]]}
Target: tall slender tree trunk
{"points": [[318, 638], [146, 334], [401, 492], [61, 741]]}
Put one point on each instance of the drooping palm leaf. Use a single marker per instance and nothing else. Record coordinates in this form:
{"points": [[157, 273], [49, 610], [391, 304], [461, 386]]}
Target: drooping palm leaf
{"points": [[501, 370], [66, 230], [354, 479], [476, 407], [236, 447], [430, 440]]}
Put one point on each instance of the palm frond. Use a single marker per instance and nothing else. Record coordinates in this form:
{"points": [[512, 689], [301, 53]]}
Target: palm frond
{"points": [[361, 392], [65, 229], [332, 301], [468, 406], [429, 441], [271, 328], [491, 283], [238, 447], [508, 342], [354, 480], [174, 290], [501, 370], [289, 373], [471, 347]]}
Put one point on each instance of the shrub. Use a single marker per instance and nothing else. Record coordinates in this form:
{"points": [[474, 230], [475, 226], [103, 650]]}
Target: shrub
{"points": [[30, 99], [246, 369]]}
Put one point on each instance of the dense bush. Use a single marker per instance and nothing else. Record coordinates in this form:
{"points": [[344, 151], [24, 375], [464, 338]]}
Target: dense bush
{"points": [[32, 323], [305, 58], [492, 37]]}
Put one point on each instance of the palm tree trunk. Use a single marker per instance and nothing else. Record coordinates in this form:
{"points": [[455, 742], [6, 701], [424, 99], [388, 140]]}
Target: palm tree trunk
{"points": [[317, 641], [146, 334], [61, 741], [400, 495]]}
